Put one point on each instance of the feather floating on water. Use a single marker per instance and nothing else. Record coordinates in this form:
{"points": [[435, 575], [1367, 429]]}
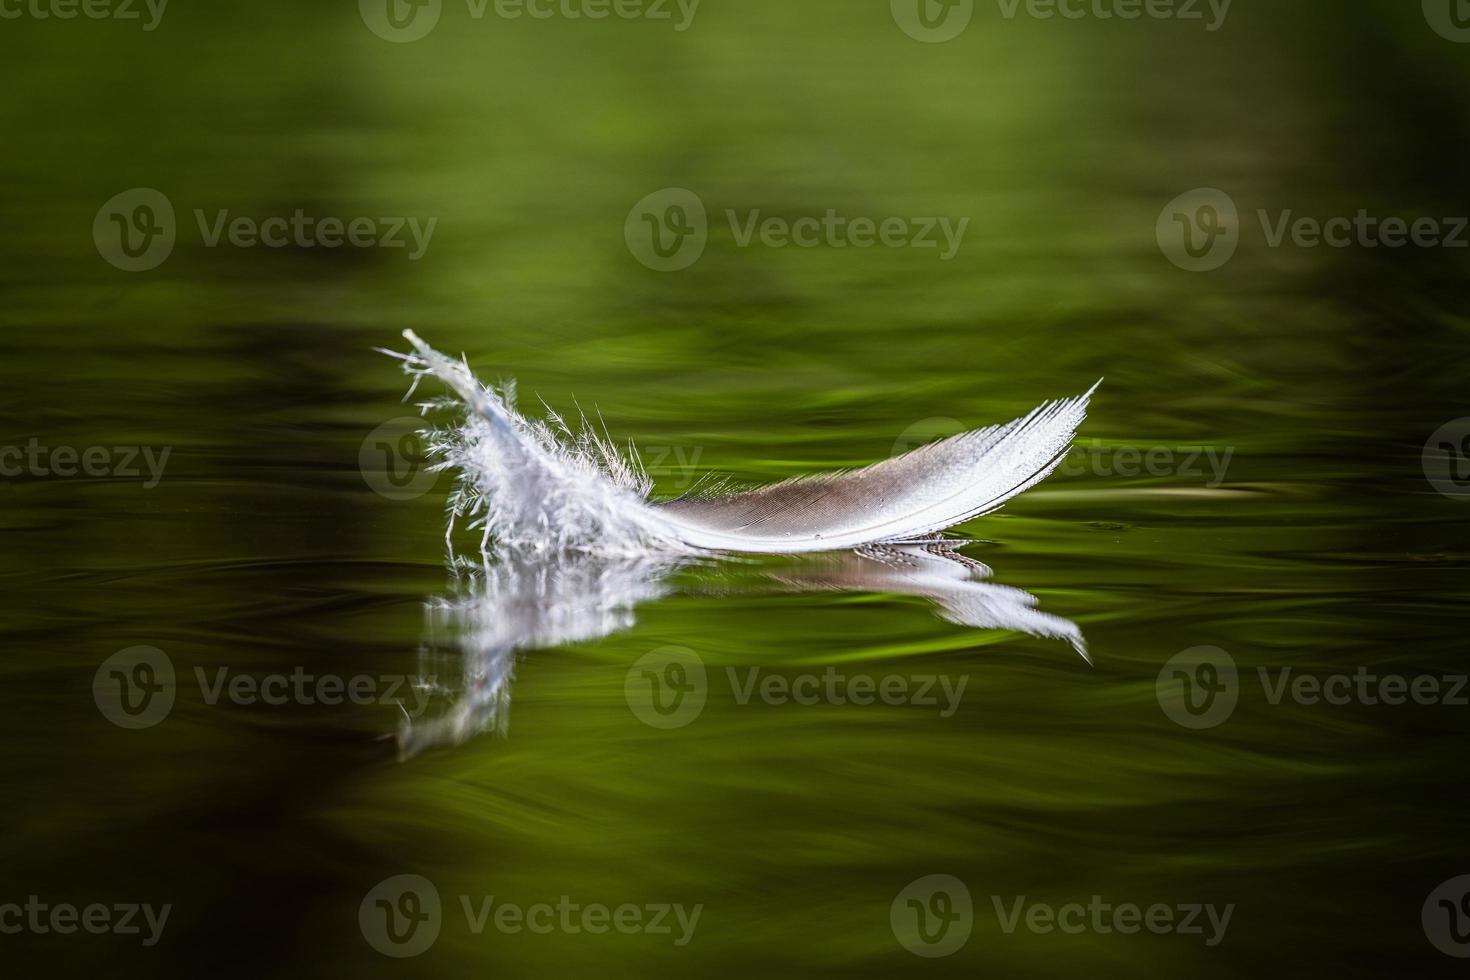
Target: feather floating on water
{"points": [[538, 484]]}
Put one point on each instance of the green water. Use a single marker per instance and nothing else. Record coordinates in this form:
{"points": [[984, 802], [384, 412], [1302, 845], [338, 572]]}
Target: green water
{"points": [[263, 549]]}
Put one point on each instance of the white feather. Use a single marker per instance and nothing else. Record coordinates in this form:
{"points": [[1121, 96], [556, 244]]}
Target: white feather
{"points": [[542, 485]]}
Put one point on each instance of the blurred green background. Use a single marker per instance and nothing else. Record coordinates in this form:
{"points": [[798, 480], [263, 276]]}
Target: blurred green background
{"points": [[263, 549]]}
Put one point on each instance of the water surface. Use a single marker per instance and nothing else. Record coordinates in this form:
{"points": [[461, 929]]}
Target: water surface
{"points": [[264, 550]]}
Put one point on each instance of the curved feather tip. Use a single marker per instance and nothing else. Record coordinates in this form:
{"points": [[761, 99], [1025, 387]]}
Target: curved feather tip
{"points": [[541, 484]]}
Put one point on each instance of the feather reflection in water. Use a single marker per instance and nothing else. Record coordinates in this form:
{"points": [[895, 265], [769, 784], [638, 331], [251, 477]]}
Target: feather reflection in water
{"points": [[519, 602]]}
